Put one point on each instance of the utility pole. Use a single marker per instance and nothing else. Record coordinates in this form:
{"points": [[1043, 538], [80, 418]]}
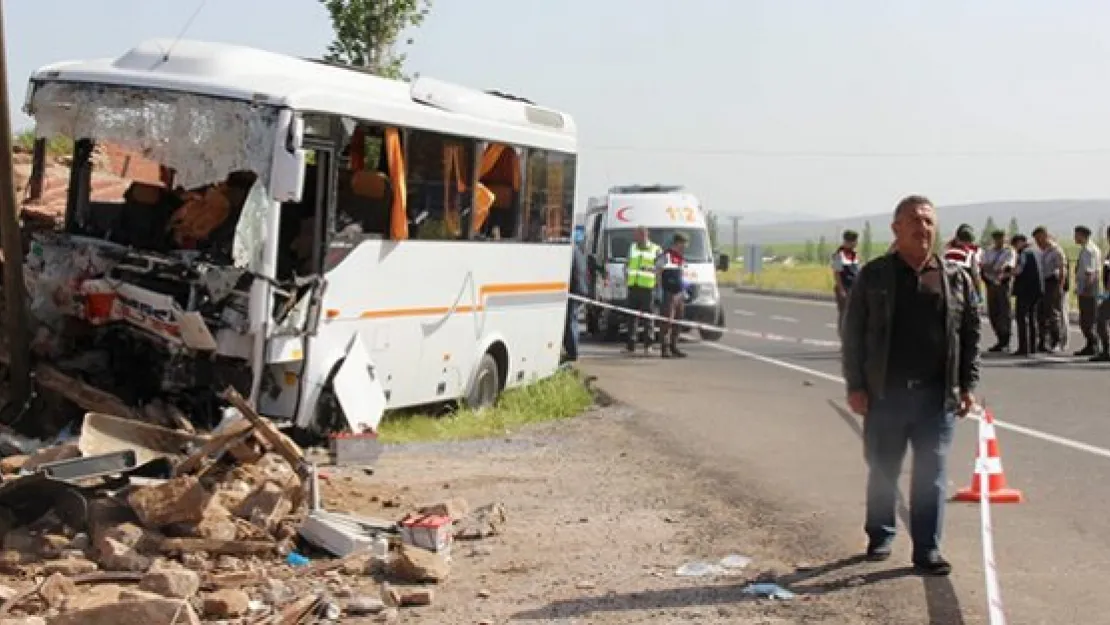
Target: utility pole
{"points": [[735, 235], [10, 240]]}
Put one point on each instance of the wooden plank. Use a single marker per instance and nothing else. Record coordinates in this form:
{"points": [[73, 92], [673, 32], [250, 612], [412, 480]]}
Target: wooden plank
{"points": [[217, 547], [219, 443], [266, 430]]}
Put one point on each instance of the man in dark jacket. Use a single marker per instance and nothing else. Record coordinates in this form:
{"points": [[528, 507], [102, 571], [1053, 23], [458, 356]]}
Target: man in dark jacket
{"points": [[578, 286], [1028, 293], [911, 363]]}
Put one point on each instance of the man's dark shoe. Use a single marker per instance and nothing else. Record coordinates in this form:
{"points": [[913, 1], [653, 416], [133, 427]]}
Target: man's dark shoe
{"points": [[998, 347], [1103, 357], [878, 551], [1086, 351], [932, 563], [678, 353]]}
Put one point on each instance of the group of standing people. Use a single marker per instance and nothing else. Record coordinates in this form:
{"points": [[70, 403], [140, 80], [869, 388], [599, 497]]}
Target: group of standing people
{"points": [[648, 269], [1027, 286]]}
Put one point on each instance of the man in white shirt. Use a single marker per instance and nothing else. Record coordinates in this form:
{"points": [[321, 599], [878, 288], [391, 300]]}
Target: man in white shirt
{"points": [[997, 270], [1087, 288]]}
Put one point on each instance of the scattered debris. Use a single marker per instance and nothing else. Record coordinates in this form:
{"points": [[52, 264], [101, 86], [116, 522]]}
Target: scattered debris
{"points": [[771, 591], [121, 520]]}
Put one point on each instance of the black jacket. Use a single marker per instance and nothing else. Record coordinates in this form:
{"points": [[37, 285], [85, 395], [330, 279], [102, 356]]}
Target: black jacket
{"points": [[1028, 284], [869, 318]]}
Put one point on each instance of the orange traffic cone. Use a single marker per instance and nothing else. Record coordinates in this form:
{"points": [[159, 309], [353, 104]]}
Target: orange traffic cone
{"points": [[999, 492]]}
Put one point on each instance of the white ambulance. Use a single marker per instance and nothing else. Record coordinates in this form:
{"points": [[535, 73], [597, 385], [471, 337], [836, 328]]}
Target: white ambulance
{"points": [[664, 210]]}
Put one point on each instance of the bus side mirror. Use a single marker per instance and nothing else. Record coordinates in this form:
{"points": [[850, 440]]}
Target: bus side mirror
{"points": [[722, 262]]}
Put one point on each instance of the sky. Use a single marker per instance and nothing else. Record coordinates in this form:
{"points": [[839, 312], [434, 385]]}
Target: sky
{"points": [[792, 107]]}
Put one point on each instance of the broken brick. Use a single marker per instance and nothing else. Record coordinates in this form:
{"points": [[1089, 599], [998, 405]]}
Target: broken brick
{"points": [[113, 555], [227, 603], [180, 500], [56, 588], [265, 506], [177, 583], [417, 565]]}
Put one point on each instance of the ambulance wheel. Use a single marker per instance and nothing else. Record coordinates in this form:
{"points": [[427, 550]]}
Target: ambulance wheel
{"points": [[609, 325], [714, 335], [485, 385], [591, 322]]}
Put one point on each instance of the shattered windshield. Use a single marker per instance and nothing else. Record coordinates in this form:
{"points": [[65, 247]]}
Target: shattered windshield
{"points": [[157, 170]]}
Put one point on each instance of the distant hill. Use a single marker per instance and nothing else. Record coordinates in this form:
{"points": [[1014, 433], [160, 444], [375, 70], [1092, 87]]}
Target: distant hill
{"points": [[1059, 216]]}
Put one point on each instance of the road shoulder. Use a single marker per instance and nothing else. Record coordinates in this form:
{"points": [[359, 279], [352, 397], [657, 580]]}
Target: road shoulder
{"points": [[601, 514]]}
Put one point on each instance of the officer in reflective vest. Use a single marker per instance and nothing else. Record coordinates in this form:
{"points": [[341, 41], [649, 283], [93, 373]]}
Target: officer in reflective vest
{"points": [[640, 273]]}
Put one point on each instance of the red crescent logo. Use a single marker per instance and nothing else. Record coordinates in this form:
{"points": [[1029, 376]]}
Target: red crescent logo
{"points": [[621, 212]]}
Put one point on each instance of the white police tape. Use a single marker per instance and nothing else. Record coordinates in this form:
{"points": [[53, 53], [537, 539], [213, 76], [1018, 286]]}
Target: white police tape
{"points": [[990, 569], [695, 325]]}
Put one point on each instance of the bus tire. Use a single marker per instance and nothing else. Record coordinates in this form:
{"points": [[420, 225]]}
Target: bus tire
{"points": [[485, 385], [714, 335]]}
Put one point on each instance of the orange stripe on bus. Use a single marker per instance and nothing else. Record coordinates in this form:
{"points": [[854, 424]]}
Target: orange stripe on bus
{"points": [[522, 288]]}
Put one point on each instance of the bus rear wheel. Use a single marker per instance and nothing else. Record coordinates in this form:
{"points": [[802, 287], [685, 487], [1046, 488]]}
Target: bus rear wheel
{"points": [[485, 386]]}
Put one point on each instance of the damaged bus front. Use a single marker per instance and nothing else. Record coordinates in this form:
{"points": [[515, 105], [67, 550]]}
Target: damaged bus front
{"points": [[157, 281]]}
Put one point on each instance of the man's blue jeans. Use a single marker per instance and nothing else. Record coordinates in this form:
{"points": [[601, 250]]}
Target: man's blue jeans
{"points": [[914, 417]]}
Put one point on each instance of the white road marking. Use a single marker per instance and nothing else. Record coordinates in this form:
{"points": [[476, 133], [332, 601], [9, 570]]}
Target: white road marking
{"points": [[1020, 429], [831, 326], [744, 313], [783, 319], [1072, 328]]}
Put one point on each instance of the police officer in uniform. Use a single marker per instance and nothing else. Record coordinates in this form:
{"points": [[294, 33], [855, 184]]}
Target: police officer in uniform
{"points": [[671, 264], [845, 267], [640, 276]]}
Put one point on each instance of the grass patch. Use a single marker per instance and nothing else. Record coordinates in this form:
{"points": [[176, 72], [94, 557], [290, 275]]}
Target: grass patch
{"points": [[808, 278], [561, 396]]}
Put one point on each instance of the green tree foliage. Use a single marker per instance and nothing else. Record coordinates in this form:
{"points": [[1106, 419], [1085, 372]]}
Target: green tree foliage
{"points": [[366, 32], [865, 242], [822, 249], [1100, 237], [1013, 228], [985, 235], [811, 252]]}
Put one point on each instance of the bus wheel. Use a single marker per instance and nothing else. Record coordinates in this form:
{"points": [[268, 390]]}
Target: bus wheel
{"points": [[485, 386], [714, 335]]}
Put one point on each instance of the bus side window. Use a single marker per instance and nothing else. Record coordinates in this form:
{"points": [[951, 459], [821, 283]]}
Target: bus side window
{"points": [[364, 191], [440, 181], [497, 205], [549, 197]]}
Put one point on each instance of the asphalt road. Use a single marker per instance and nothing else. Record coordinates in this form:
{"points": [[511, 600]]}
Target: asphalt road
{"points": [[764, 409]]}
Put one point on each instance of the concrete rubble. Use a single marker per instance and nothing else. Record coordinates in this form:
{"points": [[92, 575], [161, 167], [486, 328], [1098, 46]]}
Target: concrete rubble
{"points": [[158, 525]]}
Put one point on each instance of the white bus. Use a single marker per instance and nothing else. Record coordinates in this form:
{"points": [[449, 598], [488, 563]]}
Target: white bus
{"points": [[330, 242]]}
